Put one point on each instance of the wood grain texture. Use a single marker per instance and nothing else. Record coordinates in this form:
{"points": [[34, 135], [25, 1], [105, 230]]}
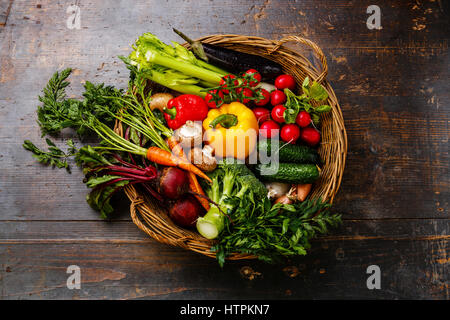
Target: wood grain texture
{"points": [[131, 270], [392, 85]]}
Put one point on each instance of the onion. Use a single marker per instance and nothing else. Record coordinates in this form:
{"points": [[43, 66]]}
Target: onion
{"points": [[269, 87], [277, 189], [284, 200]]}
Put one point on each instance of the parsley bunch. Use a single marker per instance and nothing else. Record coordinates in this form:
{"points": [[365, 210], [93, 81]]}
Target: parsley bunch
{"points": [[272, 232], [57, 112]]}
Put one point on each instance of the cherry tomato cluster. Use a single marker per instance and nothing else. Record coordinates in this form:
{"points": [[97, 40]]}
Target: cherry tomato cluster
{"points": [[243, 88], [272, 121], [268, 106]]}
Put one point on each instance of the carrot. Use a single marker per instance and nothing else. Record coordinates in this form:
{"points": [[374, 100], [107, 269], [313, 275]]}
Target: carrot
{"points": [[178, 151], [175, 146], [303, 191], [166, 158], [195, 186]]}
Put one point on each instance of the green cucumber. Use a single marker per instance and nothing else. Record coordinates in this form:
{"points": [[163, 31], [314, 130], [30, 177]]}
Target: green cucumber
{"points": [[290, 152], [295, 173]]}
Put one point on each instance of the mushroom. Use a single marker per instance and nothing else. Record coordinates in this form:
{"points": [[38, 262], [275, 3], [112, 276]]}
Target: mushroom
{"points": [[190, 134], [203, 158]]}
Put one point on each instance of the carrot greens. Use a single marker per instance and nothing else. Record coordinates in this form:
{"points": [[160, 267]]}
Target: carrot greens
{"points": [[57, 112], [54, 156]]}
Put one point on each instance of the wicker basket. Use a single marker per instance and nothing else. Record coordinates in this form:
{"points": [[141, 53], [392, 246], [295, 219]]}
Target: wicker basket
{"points": [[153, 219]]}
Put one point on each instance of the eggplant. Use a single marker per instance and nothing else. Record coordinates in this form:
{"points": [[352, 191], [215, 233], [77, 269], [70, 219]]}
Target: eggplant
{"points": [[231, 60]]}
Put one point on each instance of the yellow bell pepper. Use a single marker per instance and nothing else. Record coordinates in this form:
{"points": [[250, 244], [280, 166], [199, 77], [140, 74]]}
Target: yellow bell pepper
{"points": [[232, 130]]}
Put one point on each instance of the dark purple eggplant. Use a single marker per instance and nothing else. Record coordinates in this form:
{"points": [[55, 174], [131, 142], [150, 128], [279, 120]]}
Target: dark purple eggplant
{"points": [[231, 60], [237, 62]]}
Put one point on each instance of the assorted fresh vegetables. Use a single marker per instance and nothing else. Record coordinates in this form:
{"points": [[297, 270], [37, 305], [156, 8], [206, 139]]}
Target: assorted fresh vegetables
{"points": [[200, 148]]}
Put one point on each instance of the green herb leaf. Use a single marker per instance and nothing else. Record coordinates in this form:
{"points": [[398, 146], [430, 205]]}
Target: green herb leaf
{"points": [[54, 157], [323, 109], [305, 83], [96, 181], [99, 198], [317, 92], [275, 231], [89, 157], [57, 112]]}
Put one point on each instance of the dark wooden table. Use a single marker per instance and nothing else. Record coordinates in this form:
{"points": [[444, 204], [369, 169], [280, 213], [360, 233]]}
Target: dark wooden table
{"points": [[392, 84]]}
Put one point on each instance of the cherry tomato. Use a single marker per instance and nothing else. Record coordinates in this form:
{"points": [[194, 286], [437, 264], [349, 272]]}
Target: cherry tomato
{"points": [[261, 114], [256, 76], [246, 93], [277, 97], [303, 119], [210, 99], [265, 98], [269, 129], [278, 113], [285, 81], [290, 133], [310, 135], [223, 82]]}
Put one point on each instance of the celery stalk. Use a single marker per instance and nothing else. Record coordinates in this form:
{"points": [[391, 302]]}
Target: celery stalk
{"points": [[162, 79], [186, 68], [174, 66]]}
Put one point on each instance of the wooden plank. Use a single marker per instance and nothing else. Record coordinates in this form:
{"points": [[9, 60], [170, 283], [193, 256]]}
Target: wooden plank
{"points": [[410, 269], [5, 9], [125, 231], [116, 260]]}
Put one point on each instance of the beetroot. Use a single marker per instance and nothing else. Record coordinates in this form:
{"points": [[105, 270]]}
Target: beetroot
{"points": [[173, 183], [186, 210]]}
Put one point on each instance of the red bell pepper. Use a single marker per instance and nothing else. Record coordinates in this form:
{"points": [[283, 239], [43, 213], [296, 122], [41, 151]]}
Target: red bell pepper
{"points": [[183, 108]]}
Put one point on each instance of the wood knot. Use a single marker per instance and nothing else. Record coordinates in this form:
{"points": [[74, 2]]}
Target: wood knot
{"points": [[291, 271], [248, 273]]}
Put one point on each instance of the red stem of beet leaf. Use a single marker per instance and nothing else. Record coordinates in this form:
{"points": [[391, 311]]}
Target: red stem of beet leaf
{"points": [[127, 164], [131, 172], [136, 177]]}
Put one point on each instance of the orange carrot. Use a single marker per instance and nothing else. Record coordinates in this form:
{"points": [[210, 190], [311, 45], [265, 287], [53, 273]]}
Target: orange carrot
{"points": [[178, 151], [176, 148], [303, 191], [166, 158], [195, 186]]}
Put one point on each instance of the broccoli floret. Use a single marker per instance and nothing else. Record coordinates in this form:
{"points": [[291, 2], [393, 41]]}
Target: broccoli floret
{"points": [[237, 181]]}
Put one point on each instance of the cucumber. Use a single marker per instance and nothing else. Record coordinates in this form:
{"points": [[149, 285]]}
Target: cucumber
{"points": [[294, 173], [290, 152]]}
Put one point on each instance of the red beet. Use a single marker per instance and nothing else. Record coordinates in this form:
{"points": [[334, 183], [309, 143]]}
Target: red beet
{"points": [[173, 183], [186, 210]]}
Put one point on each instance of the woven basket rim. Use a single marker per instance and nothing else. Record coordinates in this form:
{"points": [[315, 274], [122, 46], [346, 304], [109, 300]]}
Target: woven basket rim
{"points": [[153, 220]]}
